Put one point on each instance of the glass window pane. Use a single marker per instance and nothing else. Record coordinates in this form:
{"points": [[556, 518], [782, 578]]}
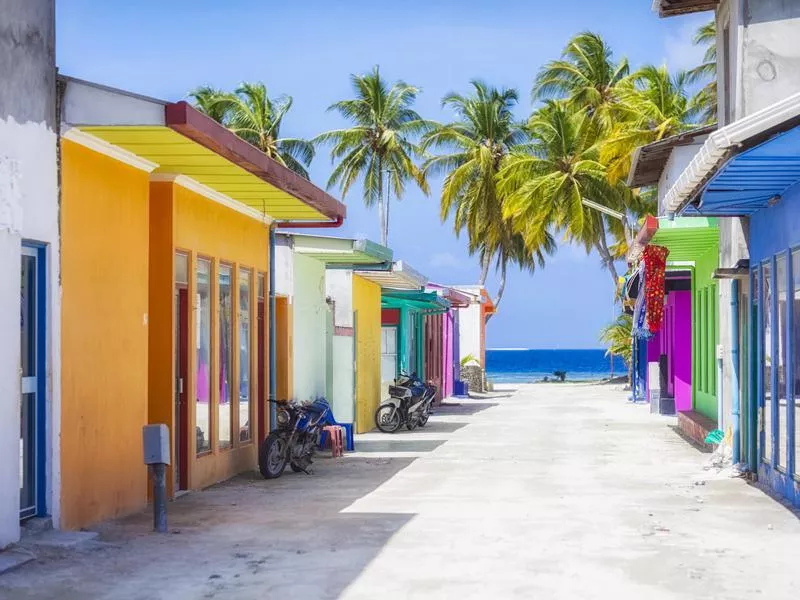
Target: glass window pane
{"points": [[28, 316], [388, 353], [244, 356], [203, 357], [181, 268], [795, 375], [225, 356], [780, 360], [766, 420]]}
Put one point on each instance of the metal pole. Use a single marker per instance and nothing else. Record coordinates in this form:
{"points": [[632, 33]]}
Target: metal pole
{"points": [[159, 472]]}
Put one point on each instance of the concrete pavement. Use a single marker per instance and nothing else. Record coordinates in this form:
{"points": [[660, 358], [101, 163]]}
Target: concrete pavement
{"points": [[555, 491]]}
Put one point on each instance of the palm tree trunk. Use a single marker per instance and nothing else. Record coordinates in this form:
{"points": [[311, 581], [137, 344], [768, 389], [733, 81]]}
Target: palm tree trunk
{"points": [[381, 208], [486, 261], [500, 289], [385, 233]]}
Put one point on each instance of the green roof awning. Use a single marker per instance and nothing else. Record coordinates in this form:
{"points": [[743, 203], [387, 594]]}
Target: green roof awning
{"points": [[342, 252], [415, 300], [688, 238]]}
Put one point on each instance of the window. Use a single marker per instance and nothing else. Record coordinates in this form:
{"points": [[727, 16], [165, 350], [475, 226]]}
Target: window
{"points": [[780, 360], [181, 268], [203, 357], [388, 353], [766, 365], [225, 357], [795, 372], [245, 427]]}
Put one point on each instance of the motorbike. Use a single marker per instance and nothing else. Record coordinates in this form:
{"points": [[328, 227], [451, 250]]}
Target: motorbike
{"points": [[409, 404], [295, 437]]}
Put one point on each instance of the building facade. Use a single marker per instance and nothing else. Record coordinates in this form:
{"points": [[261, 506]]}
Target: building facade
{"points": [[30, 298]]}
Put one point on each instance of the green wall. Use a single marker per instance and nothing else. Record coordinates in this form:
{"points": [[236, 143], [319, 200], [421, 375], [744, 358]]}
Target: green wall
{"points": [[705, 329]]}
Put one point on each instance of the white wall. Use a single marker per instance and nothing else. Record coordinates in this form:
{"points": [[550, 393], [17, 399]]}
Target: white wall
{"points": [[339, 287], [310, 316], [678, 160], [284, 266], [469, 330], [28, 211]]}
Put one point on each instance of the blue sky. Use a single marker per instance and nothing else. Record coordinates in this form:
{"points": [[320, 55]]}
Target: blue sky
{"points": [[308, 50]]}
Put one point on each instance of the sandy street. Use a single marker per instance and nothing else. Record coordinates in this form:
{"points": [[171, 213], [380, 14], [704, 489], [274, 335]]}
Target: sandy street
{"points": [[550, 492]]}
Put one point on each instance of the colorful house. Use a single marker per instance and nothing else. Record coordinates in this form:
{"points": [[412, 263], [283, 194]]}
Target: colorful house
{"points": [[166, 221], [677, 366], [335, 349], [472, 333], [443, 354], [746, 174]]}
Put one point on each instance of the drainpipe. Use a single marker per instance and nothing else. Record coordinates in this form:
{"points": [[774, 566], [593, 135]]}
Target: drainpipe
{"points": [[735, 398], [273, 345], [273, 384]]}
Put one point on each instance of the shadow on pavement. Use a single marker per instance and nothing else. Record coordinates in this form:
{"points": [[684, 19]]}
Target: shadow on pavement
{"points": [[398, 445], [244, 538], [468, 408]]}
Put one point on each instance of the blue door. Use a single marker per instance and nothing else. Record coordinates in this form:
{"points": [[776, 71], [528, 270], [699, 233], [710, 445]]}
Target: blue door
{"points": [[32, 486]]}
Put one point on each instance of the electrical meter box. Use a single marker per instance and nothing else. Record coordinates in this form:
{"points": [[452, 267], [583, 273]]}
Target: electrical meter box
{"points": [[156, 444]]}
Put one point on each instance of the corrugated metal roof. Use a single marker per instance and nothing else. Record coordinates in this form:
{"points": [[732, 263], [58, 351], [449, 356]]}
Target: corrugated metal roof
{"points": [[341, 251], [400, 277]]}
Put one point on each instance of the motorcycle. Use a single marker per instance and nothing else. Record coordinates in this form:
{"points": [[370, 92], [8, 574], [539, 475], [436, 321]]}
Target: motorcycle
{"points": [[409, 403], [295, 437]]}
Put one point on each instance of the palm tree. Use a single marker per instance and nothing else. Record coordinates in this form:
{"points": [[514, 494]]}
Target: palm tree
{"points": [[653, 104], [380, 148], [705, 100], [546, 182], [251, 114], [586, 75], [617, 337], [474, 147], [207, 99]]}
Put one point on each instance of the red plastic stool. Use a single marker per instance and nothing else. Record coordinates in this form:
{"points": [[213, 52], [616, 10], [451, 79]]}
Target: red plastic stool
{"points": [[336, 437]]}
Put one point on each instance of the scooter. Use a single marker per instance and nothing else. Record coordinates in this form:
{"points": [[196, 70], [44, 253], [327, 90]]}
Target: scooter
{"points": [[409, 404]]}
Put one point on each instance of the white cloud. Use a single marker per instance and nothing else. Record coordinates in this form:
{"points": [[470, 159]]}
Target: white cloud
{"points": [[679, 51], [445, 259]]}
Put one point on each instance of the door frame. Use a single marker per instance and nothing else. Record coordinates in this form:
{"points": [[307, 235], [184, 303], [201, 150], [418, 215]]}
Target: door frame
{"points": [[182, 426], [39, 253]]}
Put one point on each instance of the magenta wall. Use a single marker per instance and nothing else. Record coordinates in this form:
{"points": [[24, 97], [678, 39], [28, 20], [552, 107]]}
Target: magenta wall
{"points": [[680, 306], [675, 341], [448, 355]]}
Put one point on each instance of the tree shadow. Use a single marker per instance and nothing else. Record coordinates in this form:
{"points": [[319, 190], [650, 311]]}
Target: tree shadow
{"points": [[246, 537]]}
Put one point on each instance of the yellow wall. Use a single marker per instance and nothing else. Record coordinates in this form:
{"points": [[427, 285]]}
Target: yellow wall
{"points": [[367, 305], [104, 349], [204, 228]]}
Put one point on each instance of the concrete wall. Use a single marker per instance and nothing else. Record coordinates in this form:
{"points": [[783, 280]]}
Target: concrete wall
{"points": [[105, 248], [339, 287], [678, 160], [470, 331], [367, 306], [28, 210], [310, 315]]}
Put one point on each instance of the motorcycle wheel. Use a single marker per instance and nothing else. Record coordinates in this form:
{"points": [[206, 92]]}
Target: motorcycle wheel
{"points": [[272, 456], [387, 419], [423, 418], [296, 468], [412, 424]]}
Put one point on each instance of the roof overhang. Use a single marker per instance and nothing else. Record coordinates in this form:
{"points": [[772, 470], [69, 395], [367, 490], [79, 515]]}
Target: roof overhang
{"points": [[178, 140], [742, 167], [400, 277], [740, 271], [456, 298], [343, 253], [427, 302], [687, 238], [649, 161], [669, 8]]}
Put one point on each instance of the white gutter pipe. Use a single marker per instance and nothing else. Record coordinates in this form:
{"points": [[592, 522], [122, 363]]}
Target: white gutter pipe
{"points": [[720, 143]]}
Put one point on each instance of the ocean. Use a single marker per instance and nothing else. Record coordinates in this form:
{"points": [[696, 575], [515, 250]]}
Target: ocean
{"points": [[522, 365]]}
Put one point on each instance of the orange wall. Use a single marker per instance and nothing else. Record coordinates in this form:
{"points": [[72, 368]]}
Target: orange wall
{"points": [[206, 228], [367, 306], [104, 345]]}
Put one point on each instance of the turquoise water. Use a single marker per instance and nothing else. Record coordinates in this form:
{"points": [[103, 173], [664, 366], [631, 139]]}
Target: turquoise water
{"points": [[527, 366]]}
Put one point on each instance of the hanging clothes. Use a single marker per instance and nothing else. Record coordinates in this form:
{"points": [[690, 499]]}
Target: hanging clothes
{"points": [[655, 266]]}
